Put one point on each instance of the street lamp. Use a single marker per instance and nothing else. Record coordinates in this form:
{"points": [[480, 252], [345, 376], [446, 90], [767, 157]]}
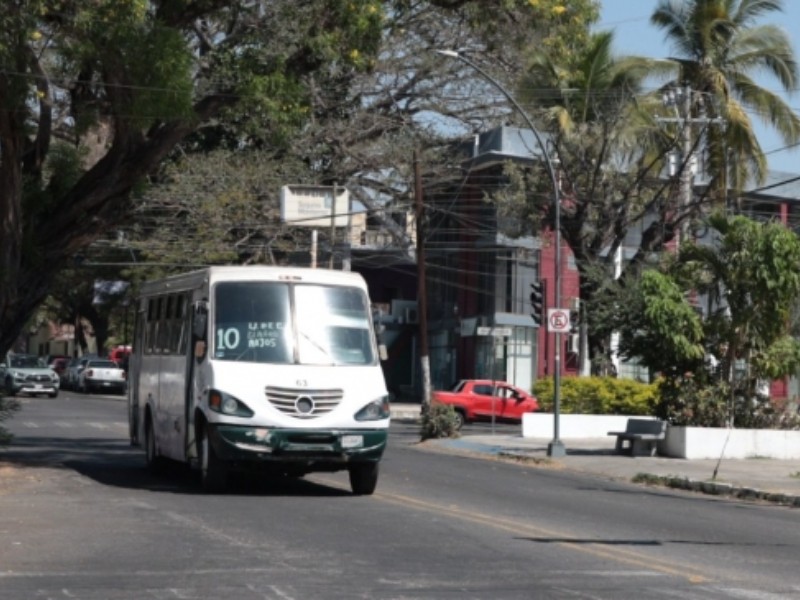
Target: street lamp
{"points": [[556, 447]]}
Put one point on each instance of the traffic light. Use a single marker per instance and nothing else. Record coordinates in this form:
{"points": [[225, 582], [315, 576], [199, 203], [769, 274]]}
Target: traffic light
{"points": [[575, 316], [538, 302]]}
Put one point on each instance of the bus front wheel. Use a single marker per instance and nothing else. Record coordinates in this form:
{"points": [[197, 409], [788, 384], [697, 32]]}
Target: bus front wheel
{"points": [[214, 473], [363, 478]]}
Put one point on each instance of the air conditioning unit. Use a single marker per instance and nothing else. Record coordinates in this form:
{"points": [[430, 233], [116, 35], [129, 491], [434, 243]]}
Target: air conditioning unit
{"points": [[574, 343], [411, 316]]}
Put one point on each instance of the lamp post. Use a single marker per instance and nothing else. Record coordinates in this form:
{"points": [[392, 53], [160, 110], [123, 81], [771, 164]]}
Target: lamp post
{"points": [[555, 447]]}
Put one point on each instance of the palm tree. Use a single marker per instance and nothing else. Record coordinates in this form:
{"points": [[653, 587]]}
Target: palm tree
{"points": [[583, 89], [719, 47]]}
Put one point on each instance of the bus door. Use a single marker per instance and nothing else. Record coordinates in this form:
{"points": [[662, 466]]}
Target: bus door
{"points": [[197, 351]]}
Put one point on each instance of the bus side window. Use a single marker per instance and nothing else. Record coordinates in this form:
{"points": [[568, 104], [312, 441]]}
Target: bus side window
{"points": [[181, 325], [152, 326], [166, 326]]}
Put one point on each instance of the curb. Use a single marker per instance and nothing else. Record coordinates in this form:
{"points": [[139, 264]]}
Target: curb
{"points": [[710, 488], [717, 489]]}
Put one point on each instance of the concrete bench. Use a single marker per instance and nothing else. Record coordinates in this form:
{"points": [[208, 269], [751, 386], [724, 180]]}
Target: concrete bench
{"points": [[640, 436]]}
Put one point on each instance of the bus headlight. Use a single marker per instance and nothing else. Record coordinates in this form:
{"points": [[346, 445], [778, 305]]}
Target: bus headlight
{"points": [[375, 410], [228, 405]]}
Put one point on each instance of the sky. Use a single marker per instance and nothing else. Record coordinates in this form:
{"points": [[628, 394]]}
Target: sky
{"points": [[630, 20]]}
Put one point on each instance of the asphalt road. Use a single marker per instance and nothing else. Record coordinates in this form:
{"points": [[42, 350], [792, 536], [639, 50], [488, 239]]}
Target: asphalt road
{"points": [[81, 518]]}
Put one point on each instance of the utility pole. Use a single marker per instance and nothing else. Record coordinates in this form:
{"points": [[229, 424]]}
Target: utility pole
{"points": [[422, 303], [687, 173], [681, 99], [333, 225]]}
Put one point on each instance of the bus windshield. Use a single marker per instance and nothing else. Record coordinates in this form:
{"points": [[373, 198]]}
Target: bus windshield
{"points": [[253, 322]]}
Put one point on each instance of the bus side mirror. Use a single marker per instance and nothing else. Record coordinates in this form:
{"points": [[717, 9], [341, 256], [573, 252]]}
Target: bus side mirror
{"points": [[199, 329], [200, 321]]}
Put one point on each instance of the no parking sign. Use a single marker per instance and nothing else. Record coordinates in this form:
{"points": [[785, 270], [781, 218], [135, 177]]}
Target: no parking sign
{"points": [[558, 320]]}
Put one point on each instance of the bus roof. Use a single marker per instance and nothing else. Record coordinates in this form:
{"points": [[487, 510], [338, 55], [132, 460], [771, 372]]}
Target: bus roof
{"points": [[215, 274]]}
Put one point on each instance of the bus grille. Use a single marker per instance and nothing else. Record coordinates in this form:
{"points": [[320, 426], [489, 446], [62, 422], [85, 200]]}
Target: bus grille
{"points": [[303, 403]]}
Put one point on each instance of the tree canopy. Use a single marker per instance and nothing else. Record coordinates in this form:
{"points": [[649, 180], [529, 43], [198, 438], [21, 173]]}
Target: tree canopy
{"points": [[96, 96], [744, 279]]}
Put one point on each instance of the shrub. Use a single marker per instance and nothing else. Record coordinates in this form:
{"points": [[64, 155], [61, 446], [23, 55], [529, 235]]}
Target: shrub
{"points": [[598, 396], [692, 401], [438, 421], [689, 400]]}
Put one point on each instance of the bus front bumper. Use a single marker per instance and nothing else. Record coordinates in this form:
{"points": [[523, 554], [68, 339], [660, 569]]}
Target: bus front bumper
{"points": [[334, 447]]}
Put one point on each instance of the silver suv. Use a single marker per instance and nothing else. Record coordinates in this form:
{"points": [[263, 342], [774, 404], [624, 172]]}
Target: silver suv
{"points": [[25, 373]]}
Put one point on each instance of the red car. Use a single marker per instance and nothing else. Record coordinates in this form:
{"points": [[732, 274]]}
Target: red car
{"points": [[59, 365], [477, 399]]}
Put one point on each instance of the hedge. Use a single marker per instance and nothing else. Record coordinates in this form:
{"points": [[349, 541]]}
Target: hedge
{"points": [[598, 396]]}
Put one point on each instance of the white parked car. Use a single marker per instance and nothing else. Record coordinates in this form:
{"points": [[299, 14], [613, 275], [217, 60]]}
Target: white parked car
{"points": [[27, 374], [101, 374]]}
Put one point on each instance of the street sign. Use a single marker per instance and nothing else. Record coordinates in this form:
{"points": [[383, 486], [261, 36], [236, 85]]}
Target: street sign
{"points": [[315, 205], [495, 331], [558, 320]]}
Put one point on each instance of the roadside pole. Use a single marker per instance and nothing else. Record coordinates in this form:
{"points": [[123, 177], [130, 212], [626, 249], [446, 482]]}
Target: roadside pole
{"points": [[422, 293], [558, 322]]}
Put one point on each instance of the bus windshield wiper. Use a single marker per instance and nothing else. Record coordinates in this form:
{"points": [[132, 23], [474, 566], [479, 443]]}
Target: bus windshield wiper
{"points": [[319, 347]]}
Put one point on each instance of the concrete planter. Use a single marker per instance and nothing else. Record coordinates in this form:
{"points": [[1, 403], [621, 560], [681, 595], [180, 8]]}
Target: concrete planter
{"points": [[713, 442], [540, 425], [680, 442]]}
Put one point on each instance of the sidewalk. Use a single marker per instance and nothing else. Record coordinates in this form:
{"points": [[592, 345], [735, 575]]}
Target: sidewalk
{"points": [[753, 479]]}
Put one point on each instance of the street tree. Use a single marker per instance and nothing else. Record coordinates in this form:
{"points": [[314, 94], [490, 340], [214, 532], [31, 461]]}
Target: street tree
{"points": [[751, 277], [603, 131], [216, 207], [93, 96], [658, 327], [361, 133], [716, 321]]}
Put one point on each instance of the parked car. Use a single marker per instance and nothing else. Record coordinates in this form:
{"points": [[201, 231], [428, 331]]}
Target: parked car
{"points": [[102, 374], [59, 365], [27, 374], [73, 371], [479, 399], [121, 356]]}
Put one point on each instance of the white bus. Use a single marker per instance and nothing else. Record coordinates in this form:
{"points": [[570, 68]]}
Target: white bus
{"points": [[248, 366]]}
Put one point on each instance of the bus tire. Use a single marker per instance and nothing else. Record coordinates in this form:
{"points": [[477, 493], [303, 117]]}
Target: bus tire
{"points": [[363, 478], [213, 471], [155, 463]]}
